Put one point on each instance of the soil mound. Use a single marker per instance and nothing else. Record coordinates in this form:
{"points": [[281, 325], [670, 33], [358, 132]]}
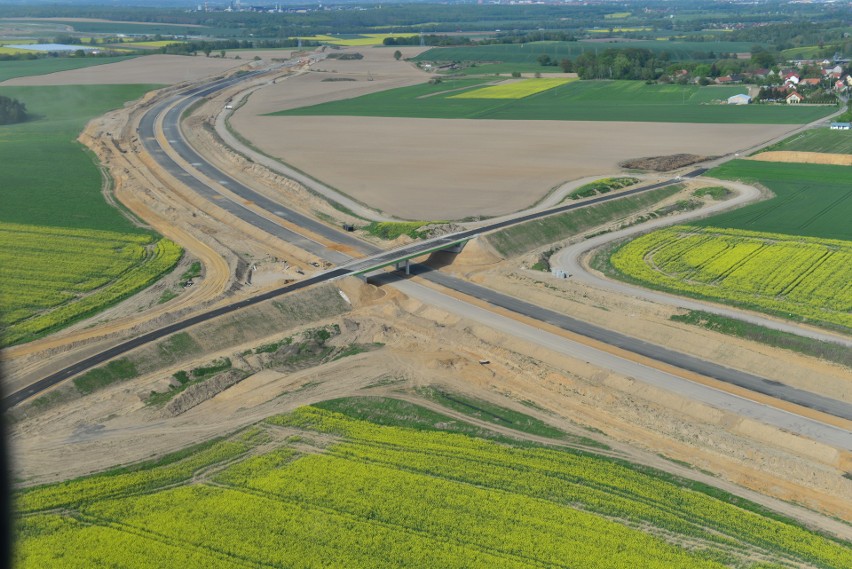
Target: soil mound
{"points": [[663, 163], [201, 392]]}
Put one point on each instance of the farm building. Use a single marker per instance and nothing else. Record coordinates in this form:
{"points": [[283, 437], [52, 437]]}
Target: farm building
{"points": [[741, 99], [841, 126], [794, 98]]}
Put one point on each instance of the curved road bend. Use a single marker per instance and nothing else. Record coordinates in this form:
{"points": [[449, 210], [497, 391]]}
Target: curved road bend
{"points": [[171, 131], [569, 260]]}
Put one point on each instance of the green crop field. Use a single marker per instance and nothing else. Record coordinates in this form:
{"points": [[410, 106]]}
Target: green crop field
{"points": [[808, 278], [391, 496], [819, 139], [26, 68], [132, 28], [59, 263], [812, 200], [55, 181], [579, 100], [529, 52]]}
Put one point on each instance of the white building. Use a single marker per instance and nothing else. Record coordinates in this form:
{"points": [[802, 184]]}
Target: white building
{"points": [[741, 99]]}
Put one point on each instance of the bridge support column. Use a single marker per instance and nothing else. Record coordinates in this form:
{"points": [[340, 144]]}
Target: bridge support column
{"points": [[400, 266]]}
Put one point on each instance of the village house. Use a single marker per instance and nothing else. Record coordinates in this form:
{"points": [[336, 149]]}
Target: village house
{"points": [[794, 98]]}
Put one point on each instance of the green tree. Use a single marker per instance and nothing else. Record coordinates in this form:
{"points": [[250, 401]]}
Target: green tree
{"points": [[397, 55], [12, 111]]}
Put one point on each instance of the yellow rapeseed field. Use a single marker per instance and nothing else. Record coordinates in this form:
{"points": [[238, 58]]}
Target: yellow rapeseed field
{"points": [[803, 277], [14, 50], [513, 89], [365, 40]]}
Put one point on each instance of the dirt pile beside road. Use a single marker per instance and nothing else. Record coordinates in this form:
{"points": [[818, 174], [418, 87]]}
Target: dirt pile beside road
{"points": [[664, 163], [201, 392]]}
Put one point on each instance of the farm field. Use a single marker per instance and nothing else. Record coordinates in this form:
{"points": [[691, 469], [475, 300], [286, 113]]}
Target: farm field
{"points": [[155, 69], [631, 101], [817, 140], [505, 69], [55, 276], [513, 89], [67, 252], [812, 200], [475, 167], [327, 489], [529, 52], [788, 255], [26, 68], [95, 26], [806, 278], [55, 182]]}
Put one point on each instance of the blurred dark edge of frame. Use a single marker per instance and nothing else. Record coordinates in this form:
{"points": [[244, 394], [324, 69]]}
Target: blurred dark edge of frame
{"points": [[5, 491]]}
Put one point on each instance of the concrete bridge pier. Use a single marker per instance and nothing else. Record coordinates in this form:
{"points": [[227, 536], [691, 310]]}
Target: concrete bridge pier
{"points": [[404, 265]]}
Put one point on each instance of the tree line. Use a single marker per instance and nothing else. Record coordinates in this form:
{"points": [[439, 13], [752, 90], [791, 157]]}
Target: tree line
{"points": [[629, 63]]}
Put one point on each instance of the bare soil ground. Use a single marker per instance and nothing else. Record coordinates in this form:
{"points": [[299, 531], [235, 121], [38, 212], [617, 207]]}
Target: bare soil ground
{"points": [[451, 169], [153, 69], [804, 157]]}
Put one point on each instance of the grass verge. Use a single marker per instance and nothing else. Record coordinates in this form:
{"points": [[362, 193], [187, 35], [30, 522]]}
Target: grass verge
{"points": [[775, 338], [525, 237], [117, 370]]}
